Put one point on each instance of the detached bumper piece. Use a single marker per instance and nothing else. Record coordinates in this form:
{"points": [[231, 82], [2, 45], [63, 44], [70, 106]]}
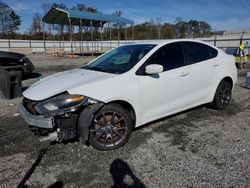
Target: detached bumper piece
{"points": [[59, 128], [36, 120]]}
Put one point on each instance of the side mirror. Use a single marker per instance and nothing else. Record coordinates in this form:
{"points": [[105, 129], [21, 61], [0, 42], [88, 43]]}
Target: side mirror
{"points": [[153, 69]]}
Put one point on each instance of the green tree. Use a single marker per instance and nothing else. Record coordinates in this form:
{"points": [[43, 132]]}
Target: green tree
{"points": [[84, 8], [36, 26], [9, 20], [181, 28], [15, 22], [192, 28], [118, 31], [167, 31], [146, 30]]}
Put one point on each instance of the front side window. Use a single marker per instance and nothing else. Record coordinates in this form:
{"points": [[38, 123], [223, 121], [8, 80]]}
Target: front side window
{"points": [[121, 59], [169, 56], [198, 52]]}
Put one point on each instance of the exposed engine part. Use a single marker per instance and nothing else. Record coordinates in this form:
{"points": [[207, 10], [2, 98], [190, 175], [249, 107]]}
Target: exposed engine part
{"points": [[67, 127]]}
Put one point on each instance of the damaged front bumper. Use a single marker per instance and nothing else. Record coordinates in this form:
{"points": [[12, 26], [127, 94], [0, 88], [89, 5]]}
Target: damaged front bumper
{"points": [[35, 120], [63, 125]]}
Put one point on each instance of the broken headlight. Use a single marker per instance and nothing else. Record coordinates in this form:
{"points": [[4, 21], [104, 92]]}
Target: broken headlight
{"points": [[63, 102]]}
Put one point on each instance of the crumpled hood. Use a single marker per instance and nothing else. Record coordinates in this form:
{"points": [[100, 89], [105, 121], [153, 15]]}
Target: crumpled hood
{"points": [[61, 82]]}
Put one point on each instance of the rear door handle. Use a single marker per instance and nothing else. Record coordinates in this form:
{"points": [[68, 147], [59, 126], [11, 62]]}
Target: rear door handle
{"points": [[185, 73], [216, 65]]}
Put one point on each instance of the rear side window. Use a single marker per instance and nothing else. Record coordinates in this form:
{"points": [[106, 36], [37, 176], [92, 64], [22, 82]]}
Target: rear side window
{"points": [[198, 52], [169, 56], [213, 52]]}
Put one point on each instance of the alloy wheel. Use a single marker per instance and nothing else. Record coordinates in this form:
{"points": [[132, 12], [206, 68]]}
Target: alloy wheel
{"points": [[109, 129]]}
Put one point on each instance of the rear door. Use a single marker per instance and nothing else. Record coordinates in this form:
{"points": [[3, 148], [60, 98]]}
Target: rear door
{"points": [[204, 67]]}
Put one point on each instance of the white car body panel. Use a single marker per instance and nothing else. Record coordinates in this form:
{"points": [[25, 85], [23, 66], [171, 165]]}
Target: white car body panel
{"points": [[122, 87], [61, 82], [156, 98], [186, 87]]}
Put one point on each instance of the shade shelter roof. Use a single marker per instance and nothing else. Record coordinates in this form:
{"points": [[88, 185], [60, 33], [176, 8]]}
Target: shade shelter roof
{"points": [[64, 16]]}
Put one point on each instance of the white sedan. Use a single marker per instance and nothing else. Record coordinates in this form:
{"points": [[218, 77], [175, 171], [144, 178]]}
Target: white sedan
{"points": [[103, 101]]}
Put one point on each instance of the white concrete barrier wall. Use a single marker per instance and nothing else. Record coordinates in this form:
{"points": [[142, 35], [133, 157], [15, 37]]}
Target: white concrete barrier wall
{"points": [[98, 46]]}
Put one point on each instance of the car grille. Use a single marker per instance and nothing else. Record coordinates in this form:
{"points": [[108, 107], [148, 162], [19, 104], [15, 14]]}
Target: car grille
{"points": [[30, 106]]}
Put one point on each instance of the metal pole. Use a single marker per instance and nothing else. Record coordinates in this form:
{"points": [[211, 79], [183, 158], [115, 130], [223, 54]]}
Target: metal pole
{"points": [[44, 44], [133, 30], [215, 39], [247, 48], [241, 38], [118, 33], [80, 41], [59, 40], [53, 37], [9, 42], [92, 37], [110, 37], [101, 39], [63, 39], [81, 44], [30, 39], [71, 37], [126, 34]]}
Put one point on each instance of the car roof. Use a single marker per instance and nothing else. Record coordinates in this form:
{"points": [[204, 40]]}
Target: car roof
{"points": [[167, 41], [163, 42], [4, 54]]}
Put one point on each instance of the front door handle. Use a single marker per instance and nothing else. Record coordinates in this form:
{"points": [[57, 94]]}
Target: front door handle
{"points": [[185, 73], [216, 65]]}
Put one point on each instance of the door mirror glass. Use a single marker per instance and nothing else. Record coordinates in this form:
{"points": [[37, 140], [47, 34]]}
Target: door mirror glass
{"points": [[153, 69]]}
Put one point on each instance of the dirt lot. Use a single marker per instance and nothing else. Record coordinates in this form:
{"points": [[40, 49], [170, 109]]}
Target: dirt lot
{"points": [[198, 148]]}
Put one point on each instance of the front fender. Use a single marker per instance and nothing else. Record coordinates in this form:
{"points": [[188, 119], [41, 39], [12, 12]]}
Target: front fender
{"points": [[85, 120]]}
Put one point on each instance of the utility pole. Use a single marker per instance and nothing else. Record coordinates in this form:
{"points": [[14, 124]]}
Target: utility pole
{"points": [[247, 48]]}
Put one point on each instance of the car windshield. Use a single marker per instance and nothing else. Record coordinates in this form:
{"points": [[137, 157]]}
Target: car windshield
{"points": [[121, 59]]}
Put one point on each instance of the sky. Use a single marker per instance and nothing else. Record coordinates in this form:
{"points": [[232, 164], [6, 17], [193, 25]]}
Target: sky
{"points": [[220, 14]]}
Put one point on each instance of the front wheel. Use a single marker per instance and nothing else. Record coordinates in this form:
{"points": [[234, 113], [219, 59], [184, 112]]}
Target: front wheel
{"points": [[111, 128], [223, 95]]}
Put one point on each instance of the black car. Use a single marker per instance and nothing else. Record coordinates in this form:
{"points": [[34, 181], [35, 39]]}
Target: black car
{"points": [[13, 68], [11, 60]]}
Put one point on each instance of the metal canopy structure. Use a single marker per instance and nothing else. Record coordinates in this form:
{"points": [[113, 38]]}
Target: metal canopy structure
{"points": [[80, 18], [63, 16]]}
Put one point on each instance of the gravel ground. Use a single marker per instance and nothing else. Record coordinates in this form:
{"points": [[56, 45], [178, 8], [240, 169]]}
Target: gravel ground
{"points": [[197, 148]]}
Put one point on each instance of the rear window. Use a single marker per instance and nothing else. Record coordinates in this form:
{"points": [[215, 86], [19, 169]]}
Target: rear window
{"points": [[198, 52], [213, 52]]}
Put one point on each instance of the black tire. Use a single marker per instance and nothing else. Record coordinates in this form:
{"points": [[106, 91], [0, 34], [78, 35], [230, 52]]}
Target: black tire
{"points": [[222, 96], [111, 128], [16, 86], [4, 84]]}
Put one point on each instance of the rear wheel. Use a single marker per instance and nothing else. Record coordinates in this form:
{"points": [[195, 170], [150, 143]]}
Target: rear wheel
{"points": [[223, 95], [111, 128]]}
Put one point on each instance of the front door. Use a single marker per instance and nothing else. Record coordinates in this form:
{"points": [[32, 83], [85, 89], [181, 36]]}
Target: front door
{"points": [[167, 92]]}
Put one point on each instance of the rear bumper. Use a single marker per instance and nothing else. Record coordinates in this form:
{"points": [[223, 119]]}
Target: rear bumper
{"points": [[35, 120]]}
